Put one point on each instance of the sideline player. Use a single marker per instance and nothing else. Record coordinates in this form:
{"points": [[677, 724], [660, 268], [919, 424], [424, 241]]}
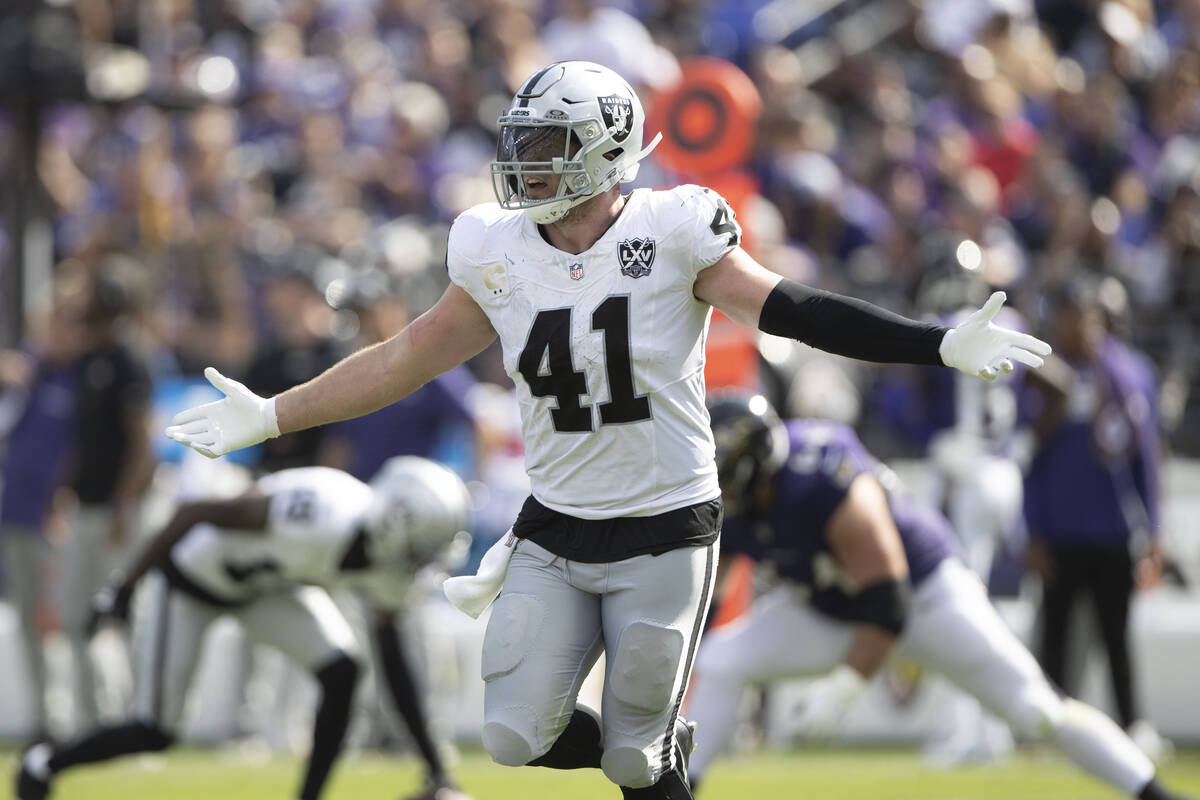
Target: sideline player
{"points": [[866, 568], [266, 558], [601, 301]]}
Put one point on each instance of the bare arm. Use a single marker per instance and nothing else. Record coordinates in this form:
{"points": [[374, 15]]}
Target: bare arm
{"points": [[737, 286], [445, 336], [866, 544], [247, 513]]}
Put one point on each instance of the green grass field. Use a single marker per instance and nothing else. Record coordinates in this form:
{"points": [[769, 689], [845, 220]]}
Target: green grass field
{"points": [[811, 775]]}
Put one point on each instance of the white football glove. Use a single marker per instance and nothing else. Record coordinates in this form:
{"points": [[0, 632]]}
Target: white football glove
{"points": [[980, 348], [820, 714], [238, 420]]}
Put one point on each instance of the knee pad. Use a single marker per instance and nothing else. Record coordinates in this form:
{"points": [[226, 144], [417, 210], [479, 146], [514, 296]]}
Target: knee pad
{"points": [[644, 667], [515, 623], [339, 676], [1036, 712], [627, 766], [506, 741]]}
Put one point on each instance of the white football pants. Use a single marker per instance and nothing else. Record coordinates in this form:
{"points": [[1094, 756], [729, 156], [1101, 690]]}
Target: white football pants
{"points": [[548, 626], [303, 623], [952, 629]]}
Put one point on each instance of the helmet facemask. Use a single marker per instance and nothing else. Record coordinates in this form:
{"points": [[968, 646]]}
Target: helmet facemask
{"points": [[550, 151]]}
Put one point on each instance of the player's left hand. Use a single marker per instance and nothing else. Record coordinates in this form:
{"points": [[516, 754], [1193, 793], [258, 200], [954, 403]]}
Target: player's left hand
{"points": [[982, 348], [822, 711]]}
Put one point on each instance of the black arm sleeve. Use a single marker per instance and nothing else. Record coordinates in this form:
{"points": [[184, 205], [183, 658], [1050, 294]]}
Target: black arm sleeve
{"points": [[848, 327], [883, 604]]}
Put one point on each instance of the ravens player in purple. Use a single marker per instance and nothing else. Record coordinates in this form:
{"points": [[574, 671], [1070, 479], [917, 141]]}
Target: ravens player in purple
{"points": [[867, 570]]}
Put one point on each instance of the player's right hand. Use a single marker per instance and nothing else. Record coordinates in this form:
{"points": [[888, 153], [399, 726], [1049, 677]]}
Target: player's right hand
{"points": [[110, 603], [238, 420]]}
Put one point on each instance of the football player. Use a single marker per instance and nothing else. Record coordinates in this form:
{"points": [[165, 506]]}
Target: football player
{"points": [[601, 301], [866, 570], [266, 558]]}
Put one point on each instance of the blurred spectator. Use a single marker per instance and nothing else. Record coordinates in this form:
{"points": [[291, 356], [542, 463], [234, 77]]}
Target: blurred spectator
{"points": [[1092, 489], [111, 469], [433, 422], [587, 30], [40, 379], [299, 347]]}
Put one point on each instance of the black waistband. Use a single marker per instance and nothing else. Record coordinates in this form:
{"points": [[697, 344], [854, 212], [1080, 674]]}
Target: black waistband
{"points": [[599, 541]]}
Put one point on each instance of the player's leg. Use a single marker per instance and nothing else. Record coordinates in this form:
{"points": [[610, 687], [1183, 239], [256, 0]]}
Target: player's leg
{"points": [[542, 639], [954, 629], [1110, 582], [393, 670], [1058, 602], [170, 629], [82, 571], [653, 612], [780, 637], [23, 552], [307, 626]]}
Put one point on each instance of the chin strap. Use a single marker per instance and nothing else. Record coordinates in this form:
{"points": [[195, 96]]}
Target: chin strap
{"points": [[630, 174]]}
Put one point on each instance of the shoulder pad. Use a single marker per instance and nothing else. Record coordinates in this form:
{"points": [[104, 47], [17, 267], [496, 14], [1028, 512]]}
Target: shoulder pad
{"points": [[473, 228]]}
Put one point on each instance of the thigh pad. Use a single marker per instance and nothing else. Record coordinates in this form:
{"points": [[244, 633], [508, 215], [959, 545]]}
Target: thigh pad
{"points": [[645, 666], [516, 621]]}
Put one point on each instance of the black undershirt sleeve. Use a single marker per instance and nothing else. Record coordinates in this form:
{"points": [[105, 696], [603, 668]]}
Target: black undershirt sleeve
{"points": [[848, 327]]}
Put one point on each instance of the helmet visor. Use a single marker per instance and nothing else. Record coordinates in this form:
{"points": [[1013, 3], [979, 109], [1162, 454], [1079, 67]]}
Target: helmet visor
{"points": [[537, 164], [532, 144]]}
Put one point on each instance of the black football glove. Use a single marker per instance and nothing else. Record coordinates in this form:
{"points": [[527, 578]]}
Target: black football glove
{"points": [[110, 603]]}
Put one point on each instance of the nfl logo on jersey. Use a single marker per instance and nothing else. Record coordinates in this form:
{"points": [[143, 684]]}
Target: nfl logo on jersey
{"points": [[636, 256], [576, 272]]}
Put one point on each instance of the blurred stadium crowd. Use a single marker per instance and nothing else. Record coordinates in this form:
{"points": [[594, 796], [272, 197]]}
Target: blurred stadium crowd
{"points": [[265, 185]]}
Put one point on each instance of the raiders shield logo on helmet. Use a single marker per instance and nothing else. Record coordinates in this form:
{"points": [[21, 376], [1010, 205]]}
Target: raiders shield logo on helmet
{"points": [[618, 115], [636, 256]]}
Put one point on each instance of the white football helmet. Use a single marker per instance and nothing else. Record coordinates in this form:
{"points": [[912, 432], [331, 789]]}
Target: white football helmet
{"points": [[575, 119], [419, 510]]}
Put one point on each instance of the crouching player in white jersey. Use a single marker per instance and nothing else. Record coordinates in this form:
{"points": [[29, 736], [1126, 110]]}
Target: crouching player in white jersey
{"points": [[601, 301], [866, 569], [266, 558]]}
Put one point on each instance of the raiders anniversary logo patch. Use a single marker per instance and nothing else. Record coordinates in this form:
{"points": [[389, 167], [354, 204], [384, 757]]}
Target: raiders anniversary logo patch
{"points": [[636, 256]]}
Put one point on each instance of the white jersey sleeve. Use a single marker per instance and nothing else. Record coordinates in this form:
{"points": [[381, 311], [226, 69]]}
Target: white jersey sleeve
{"points": [[467, 260], [707, 225]]}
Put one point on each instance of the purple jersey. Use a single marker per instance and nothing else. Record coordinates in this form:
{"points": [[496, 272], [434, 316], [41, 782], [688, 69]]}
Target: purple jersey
{"points": [[824, 460], [39, 446], [1095, 478]]}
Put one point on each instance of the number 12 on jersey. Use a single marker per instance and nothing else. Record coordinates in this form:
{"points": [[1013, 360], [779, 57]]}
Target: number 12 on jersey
{"points": [[550, 338]]}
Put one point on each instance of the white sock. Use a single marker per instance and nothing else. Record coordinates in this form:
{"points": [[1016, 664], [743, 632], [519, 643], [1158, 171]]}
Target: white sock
{"points": [[37, 761], [1097, 745]]}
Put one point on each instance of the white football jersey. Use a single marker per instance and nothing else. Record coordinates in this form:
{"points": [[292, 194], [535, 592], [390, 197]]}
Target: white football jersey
{"points": [[606, 348], [313, 517]]}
